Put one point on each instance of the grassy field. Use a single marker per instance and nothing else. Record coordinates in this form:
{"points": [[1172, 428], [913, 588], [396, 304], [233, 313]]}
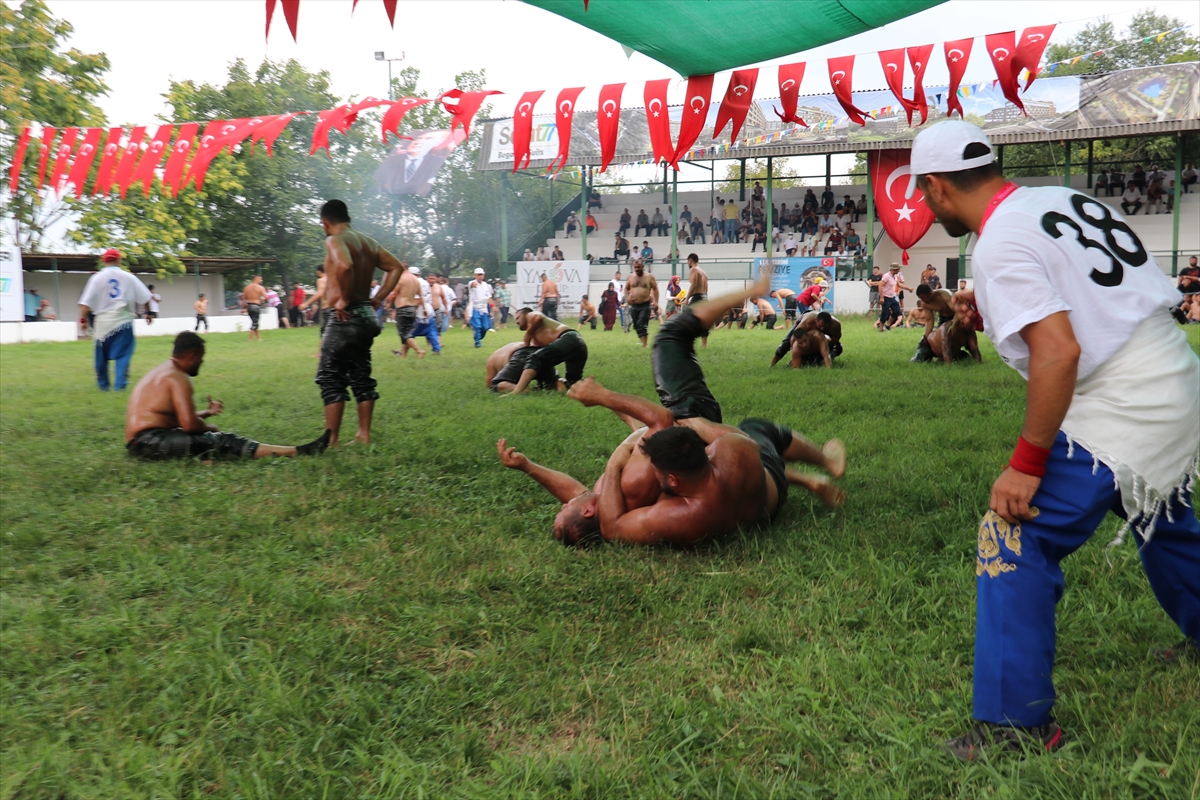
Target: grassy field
{"points": [[396, 621]]}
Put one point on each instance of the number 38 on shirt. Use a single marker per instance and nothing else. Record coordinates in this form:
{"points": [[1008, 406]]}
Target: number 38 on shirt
{"points": [[1121, 252]]}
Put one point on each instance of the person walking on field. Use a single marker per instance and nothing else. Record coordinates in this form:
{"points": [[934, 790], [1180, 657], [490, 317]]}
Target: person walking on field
{"points": [[549, 297], [407, 300], [254, 296], [350, 262], [641, 291], [697, 288], [113, 295], [201, 306], [1072, 300], [479, 292]]}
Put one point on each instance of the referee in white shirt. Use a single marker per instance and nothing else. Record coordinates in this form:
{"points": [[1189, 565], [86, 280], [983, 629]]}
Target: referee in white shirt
{"points": [[1074, 302]]}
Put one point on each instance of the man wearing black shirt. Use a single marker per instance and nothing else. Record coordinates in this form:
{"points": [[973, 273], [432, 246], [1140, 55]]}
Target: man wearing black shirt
{"points": [[626, 221], [698, 231], [643, 223], [622, 249], [827, 200]]}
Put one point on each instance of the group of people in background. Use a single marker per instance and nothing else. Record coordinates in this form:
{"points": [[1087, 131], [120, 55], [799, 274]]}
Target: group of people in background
{"points": [[1141, 189]]}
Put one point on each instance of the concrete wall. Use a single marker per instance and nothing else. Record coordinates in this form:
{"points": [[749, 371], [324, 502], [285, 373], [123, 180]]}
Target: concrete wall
{"points": [[178, 292], [17, 332]]}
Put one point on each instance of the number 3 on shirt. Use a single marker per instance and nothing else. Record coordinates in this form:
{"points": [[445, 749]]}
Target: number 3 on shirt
{"points": [[115, 291], [1051, 221]]}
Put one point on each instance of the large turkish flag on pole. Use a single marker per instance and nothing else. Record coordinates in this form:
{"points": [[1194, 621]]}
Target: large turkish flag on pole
{"points": [[522, 130], [608, 121], [658, 121], [736, 103], [790, 76], [904, 220], [958, 53], [564, 113], [695, 114]]}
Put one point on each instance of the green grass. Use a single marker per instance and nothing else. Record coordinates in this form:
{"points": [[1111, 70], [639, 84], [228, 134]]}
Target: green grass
{"points": [[397, 621]]}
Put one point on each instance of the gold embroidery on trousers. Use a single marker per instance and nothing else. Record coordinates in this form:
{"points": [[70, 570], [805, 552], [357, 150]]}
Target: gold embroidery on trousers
{"points": [[993, 532]]}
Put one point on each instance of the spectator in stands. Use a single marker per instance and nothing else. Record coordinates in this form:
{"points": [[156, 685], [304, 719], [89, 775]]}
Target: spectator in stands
{"points": [[557, 255], [824, 223], [1101, 183], [1116, 183], [717, 221], [848, 205], [572, 224], [647, 253], [685, 214], [1138, 179], [1156, 175], [635, 253], [1131, 199], [1189, 277], [642, 223], [542, 255], [834, 242], [1170, 195], [840, 220], [810, 200], [592, 225], [622, 248], [1154, 197], [760, 237], [594, 201], [658, 222], [852, 241], [808, 223], [789, 246], [860, 210], [698, 231], [827, 199], [731, 221], [1189, 178], [528, 255], [757, 196], [626, 221]]}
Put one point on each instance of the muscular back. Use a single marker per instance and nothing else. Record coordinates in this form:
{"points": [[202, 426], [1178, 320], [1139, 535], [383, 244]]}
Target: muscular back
{"points": [[542, 330], [354, 286], [697, 281], [408, 291], [154, 402], [549, 288]]}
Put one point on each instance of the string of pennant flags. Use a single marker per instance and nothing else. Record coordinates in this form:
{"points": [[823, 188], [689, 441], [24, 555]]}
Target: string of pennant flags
{"points": [[1154, 37]]}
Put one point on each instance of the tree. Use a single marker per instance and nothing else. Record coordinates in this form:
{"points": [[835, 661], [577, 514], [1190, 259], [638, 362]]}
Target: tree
{"points": [[784, 176], [40, 81]]}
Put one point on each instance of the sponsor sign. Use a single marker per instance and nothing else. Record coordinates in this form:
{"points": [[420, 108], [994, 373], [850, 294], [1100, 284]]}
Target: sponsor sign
{"points": [[12, 284], [571, 277], [798, 274]]}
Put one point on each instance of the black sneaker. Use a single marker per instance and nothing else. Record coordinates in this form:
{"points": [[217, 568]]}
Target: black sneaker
{"points": [[1186, 652], [1004, 739], [1179, 316], [316, 446]]}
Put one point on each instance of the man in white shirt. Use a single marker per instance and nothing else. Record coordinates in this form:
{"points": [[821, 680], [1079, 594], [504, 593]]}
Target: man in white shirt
{"points": [[1074, 302], [448, 310], [113, 295], [542, 255], [479, 293], [790, 246], [528, 255], [152, 305], [1131, 199], [427, 324]]}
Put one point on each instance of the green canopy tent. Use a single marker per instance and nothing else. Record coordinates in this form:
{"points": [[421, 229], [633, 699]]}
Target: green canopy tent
{"points": [[698, 38]]}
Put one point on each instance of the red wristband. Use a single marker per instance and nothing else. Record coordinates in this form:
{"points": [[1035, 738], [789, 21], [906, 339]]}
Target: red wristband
{"points": [[1029, 458]]}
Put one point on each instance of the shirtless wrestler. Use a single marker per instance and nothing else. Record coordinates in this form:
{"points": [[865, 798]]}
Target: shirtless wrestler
{"points": [[815, 339], [505, 365], [549, 297], [558, 345], [352, 323], [162, 422], [641, 293], [697, 288], [953, 341], [407, 299], [939, 309], [254, 295]]}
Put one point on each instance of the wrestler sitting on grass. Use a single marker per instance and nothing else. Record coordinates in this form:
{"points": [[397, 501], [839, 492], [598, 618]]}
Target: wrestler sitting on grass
{"points": [[162, 422]]}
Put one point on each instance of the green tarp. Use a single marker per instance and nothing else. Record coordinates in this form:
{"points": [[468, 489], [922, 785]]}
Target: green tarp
{"points": [[696, 37]]}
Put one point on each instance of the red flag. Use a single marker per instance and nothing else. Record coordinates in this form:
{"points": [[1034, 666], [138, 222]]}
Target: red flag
{"points": [[918, 59], [271, 127], [790, 76], [391, 120], [332, 118], [108, 162], [84, 159], [291, 13], [522, 130], [129, 157], [904, 220], [695, 114], [271, 13], [390, 5], [18, 157], [659, 122], [62, 159], [1002, 47], [736, 103], [564, 113], [608, 120], [44, 151], [841, 76], [211, 143], [185, 140], [150, 159], [363, 105], [463, 111], [1029, 51], [958, 53], [893, 73]]}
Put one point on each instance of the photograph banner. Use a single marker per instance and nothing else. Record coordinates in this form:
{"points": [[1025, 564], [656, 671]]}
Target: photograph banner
{"points": [[571, 277], [798, 274]]}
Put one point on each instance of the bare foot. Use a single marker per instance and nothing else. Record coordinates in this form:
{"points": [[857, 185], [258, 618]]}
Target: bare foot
{"points": [[586, 391], [830, 494], [361, 438], [835, 457], [420, 354]]}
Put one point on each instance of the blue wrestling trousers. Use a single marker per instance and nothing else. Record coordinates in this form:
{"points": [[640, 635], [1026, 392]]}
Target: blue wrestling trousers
{"points": [[1019, 582], [118, 347]]}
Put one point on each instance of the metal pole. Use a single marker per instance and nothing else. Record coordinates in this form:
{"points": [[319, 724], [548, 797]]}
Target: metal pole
{"points": [[770, 212], [665, 183], [1091, 142], [503, 217], [962, 259], [674, 220], [390, 80], [583, 201], [1178, 204], [742, 184], [870, 217], [196, 269], [1067, 164], [1000, 158], [828, 170], [58, 303]]}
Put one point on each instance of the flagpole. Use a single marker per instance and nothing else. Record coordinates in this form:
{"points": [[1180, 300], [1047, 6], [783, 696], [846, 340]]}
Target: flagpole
{"points": [[770, 212], [870, 216]]}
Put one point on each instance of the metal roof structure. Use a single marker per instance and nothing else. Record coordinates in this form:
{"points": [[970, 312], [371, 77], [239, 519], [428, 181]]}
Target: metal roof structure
{"points": [[86, 262]]}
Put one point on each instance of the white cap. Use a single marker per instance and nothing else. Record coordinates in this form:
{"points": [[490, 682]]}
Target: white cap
{"points": [[940, 148], [479, 270], [415, 270]]}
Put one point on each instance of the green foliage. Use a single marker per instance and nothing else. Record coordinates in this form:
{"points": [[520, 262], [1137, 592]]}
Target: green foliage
{"points": [[395, 621], [40, 81], [1119, 54], [784, 176]]}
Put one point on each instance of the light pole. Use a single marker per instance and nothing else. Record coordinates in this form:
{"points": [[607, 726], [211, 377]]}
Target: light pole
{"points": [[379, 56]]}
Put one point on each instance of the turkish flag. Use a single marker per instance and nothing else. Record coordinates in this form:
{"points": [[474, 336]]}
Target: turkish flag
{"points": [[391, 119], [62, 159], [271, 127], [108, 162], [44, 151], [129, 158], [1029, 51], [390, 5], [150, 159], [522, 130], [736, 103], [790, 76], [564, 113], [918, 59], [83, 159], [695, 114], [658, 121], [608, 119], [905, 221], [212, 142], [14, 174], [893, 73], [1002, 47], [331, 118], [841, 76], [958, 53], [291, 13], [185, 140], [464, 110], [363, 105]]}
